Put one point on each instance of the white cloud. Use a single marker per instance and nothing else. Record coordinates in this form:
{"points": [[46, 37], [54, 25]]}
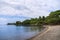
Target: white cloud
{"points": [[28, 8], [32, 7]]}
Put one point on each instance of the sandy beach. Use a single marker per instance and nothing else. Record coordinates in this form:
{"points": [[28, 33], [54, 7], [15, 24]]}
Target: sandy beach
{"points": [[52, 33]]}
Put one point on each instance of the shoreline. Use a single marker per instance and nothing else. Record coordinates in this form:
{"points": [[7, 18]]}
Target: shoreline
{"points": [[42, 32], [52, 33]]}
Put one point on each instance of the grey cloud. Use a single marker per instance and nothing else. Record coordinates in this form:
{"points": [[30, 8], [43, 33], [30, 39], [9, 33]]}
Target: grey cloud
{"points": [[17, 7]]}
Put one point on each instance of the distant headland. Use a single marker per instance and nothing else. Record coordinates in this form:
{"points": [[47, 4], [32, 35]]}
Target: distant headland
{"points": [[52, 19]]}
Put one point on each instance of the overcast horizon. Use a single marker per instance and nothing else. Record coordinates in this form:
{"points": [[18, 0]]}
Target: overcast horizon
{"points": [[19, 10]]}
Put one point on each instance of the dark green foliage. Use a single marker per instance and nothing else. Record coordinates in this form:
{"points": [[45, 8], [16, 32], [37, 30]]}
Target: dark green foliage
{"points": [[18, 23], [26, 22], [11, 24], [43, 18], [35, 21], [53, 18]]}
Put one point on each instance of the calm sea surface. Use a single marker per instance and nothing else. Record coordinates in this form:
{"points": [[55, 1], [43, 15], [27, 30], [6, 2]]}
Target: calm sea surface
{"points": [[11, 32]]}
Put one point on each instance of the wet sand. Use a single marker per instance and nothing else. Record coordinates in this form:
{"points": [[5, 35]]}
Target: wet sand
{"points": [[52, 33]]}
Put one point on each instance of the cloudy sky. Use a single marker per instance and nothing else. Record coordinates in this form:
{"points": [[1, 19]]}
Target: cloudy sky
{"points": [[13, 10]]}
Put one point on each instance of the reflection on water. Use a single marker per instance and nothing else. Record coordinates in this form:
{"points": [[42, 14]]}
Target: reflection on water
{"points": [[18, 32]]}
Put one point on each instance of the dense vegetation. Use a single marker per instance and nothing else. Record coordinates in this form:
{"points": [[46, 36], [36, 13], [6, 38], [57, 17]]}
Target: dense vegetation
{"points": [[52, 19]]}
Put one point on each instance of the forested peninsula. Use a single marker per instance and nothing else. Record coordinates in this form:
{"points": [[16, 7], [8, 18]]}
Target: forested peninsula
{"points": [[52, 19]]}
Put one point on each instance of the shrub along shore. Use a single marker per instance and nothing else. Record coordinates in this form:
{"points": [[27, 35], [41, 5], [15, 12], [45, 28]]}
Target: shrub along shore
{"points": [[52, 19]]}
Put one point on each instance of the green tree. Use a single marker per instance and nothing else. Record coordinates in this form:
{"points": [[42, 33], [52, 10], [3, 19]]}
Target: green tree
{"points": [[33, 21], [26, 22], [53, 18], [43, 18], [18, 23]]}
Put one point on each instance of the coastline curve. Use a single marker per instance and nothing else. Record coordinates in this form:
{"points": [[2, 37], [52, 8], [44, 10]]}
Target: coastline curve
{"points": [[47, 28]]}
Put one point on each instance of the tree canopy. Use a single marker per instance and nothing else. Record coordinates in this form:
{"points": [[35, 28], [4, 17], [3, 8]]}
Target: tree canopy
{"points": [[53, 18]]}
